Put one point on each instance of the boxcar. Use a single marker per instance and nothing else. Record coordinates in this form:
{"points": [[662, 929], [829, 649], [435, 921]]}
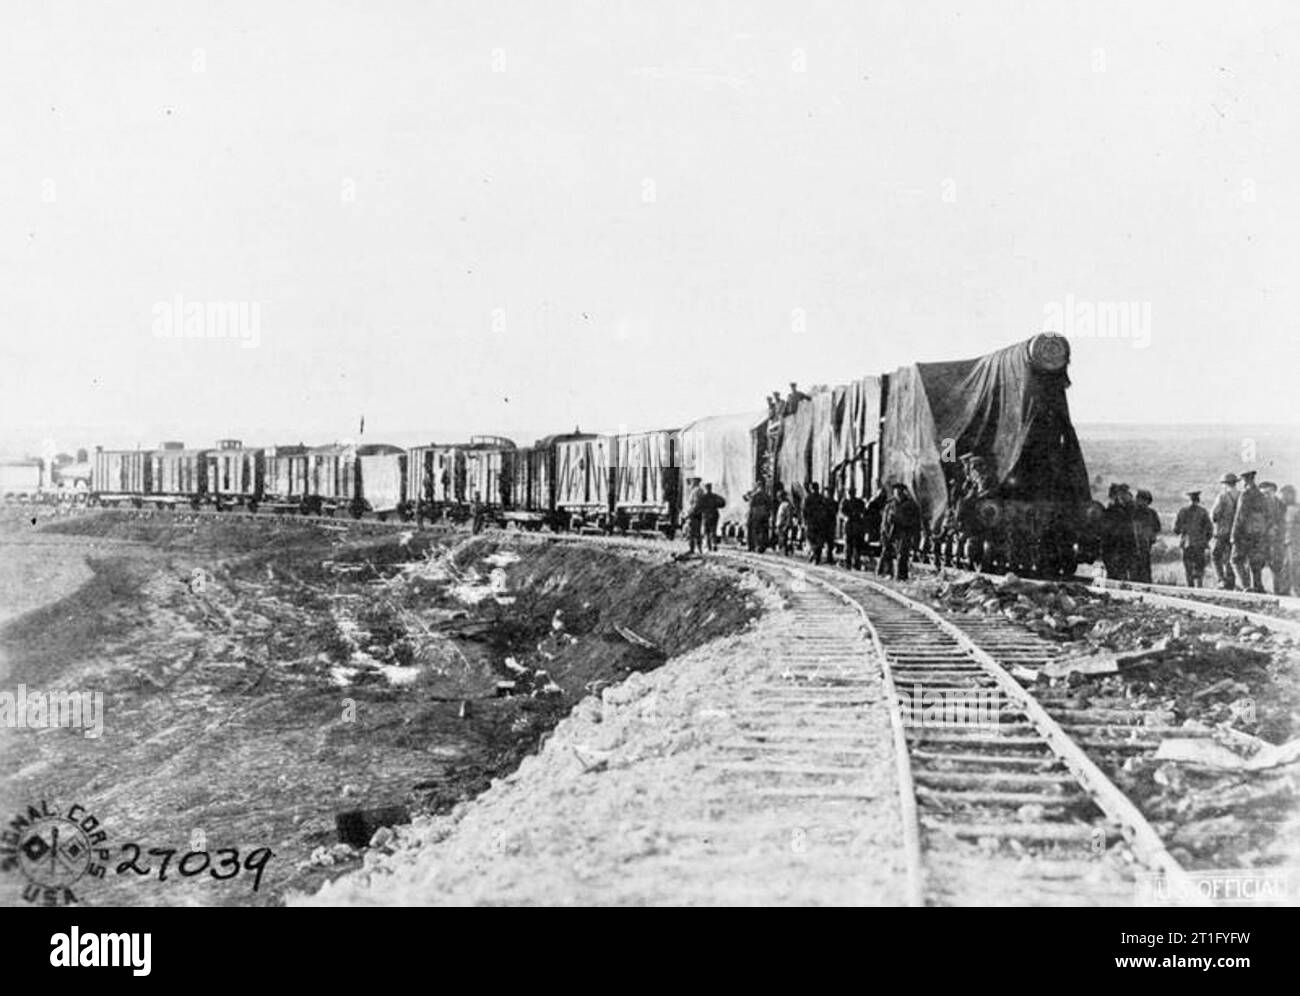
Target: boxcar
{"points": [[383, 482], [177, 474], [646, 489], [120, 476], [720, 450], [236, 474], [583, 476], [489, 466], [286, 477]]}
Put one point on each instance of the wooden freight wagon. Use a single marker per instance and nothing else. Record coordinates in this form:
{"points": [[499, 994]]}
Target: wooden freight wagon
{"points": [[583, 480], [177, 474], [285, 476], [646, 481], [384, 483], [236, 475], [532, 490], [120, 477], [488, 469]]}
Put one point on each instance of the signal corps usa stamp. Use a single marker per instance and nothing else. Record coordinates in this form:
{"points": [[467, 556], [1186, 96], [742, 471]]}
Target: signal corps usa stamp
{"points": [[54, 850]]}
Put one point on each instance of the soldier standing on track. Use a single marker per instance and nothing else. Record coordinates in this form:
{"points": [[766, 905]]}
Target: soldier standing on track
{"points": [[854, 511], [784, 522], [1250, 527], [756, 523], [1117, 548], [1291, 540], [1194, 529], [711, 505], [1146, 527], [902, 529], [814, 524], [875, 522], [694, 514], [1224, 511]]}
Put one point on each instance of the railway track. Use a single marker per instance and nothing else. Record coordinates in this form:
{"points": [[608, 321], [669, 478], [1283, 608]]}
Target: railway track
{"points": [[1000, 803]]}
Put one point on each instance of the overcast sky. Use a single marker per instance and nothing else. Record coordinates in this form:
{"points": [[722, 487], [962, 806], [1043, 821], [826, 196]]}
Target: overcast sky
{"points": [[520, 216]]}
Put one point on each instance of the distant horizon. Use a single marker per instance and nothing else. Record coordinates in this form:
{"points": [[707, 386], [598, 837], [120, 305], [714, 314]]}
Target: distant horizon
{"points": [[410, 437]]}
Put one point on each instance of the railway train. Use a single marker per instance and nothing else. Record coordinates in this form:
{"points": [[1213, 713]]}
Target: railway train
{"points": [[986, 446]]}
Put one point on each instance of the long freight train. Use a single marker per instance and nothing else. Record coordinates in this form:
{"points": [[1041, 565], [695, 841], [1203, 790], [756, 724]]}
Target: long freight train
{"points": [[986, 446]]}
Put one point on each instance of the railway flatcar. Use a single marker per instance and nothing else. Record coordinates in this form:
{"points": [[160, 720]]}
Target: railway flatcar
{"points": [[236, 475], [990, 453]]}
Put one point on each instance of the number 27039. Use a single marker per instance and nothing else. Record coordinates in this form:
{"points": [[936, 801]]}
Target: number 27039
{"points": [[222, 864]]}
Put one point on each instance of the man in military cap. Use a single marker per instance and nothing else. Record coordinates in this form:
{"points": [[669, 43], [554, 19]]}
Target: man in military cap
{"points": [[1276, 560], [820, 538], [854, 512], [1146, 527], [902, 529], [1221, 515], [1118, 549], [1194, 531], [1250, 534]]}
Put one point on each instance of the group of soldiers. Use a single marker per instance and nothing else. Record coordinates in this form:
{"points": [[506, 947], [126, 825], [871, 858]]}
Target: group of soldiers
{"points": [[1129, 527], [703, 509], [1254, 528], [889, 522], [1245, 532]]}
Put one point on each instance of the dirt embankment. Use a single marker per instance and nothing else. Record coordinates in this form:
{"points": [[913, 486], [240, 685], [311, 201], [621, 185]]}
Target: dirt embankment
{"points": [[260, 677]]}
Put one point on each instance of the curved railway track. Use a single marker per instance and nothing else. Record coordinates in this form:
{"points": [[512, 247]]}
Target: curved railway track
{"points": [[1000, 804]]}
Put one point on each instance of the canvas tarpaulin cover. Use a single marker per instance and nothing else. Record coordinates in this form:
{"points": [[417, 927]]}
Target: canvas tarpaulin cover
{"points": [[999, 406], [381, 480], [582, 471], [720, 451], [641, 459], [827, 432]]}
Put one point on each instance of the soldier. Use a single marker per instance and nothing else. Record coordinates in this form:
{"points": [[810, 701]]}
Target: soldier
{"points": [[1146, 527], [814, 524], [1222, 514], [1250, 527], [1117, 546], [694, 514], [784, 522], [1276, 559], [902, 529], [760, 515], [875, 521], [1194, 529], [1291, 539], [711, 505], [854, 511], [792, 401]]}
